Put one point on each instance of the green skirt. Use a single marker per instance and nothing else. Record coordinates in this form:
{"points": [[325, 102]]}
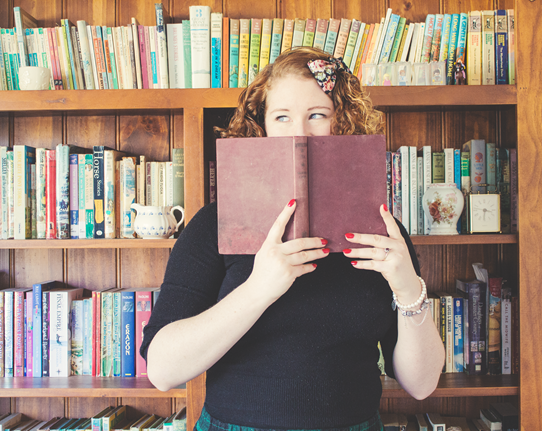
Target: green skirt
{"points": [[207, 423]]}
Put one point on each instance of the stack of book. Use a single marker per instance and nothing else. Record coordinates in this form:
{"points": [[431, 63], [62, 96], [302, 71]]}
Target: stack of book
{"points": [[410, 170], [78, 193], [212, 51], [53, 331]]}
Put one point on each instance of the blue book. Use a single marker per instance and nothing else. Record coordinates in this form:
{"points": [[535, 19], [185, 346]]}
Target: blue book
{"points": [[501, 47], [116, 336], [457, 178], [458, 335], [216, 62], [187, 53], [37, 323], [234, 53], [452, 46], [128, 334], [462, 37], [388, 38], [331, 38], [45, 320], [445, 39], [87, 336]]}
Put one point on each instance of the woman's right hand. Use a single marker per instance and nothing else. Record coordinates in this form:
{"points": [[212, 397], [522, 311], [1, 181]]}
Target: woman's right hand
{"points": [[278, 264]]}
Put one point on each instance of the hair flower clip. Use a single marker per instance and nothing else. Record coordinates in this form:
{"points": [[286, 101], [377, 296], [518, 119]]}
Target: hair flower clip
{"points": [[325, 72]]}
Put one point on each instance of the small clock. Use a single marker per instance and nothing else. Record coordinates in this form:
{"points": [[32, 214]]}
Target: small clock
{"points": [[484, 212]]}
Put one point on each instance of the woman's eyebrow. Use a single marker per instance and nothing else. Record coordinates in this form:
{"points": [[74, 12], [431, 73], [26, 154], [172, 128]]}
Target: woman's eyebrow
{"points": [[319, 107], [279, 109]]}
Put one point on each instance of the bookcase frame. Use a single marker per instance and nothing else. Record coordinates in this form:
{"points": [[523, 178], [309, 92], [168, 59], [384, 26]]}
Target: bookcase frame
{"points": [[152, 122]]}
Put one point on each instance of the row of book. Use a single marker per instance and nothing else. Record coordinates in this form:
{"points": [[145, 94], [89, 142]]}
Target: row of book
{"points": [[499, 416], [109, 419], [50, 330], [212, 51], [478, 167], [78, 193]]}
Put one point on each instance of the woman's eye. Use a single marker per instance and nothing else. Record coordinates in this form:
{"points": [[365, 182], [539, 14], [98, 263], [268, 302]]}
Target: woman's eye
{"points": [[317, 116], [282, 118]]}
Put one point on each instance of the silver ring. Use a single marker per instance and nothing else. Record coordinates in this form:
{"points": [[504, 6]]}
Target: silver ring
{"points": [[386, 252]]}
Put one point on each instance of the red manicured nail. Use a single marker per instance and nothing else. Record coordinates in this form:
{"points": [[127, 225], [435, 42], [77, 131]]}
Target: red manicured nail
{"points": [[385, 208], [291, 202], [347, 250], [349, 235], [314, 265], [325, 250], [354, 262], [324, 241]]}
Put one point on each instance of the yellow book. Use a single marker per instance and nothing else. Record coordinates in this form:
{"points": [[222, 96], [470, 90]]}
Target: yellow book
{"points": [[287, 35], [402, 44], [361, 49], [254, 56], [351, 42], [244, 45], [265, 48], [143, 423], [373, 43], [342, 37], [474, 48], [310, 28], [299, 31], [112, 418]]}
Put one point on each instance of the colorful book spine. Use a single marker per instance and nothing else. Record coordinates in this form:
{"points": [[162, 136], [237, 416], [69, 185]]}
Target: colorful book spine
{"points": [[116, 337], [99, 191], [142, 314], [76, 321], [96, 332], [389, 38], [413, 189], [216, 50], [477, 150], [37, 319], [225, 52], [427, 179], [162, 19], [29, 341], [11, 197], [88, 345], [397, 186], [351, 42], [501, 46], [23, 157], [389, 180], [2, 335], [276, 39], [445, 38], [4, 190], [310, 29], [187, 53], [254, 50], [62, 191], [474, 51], [234, 53], [244, 49], [287, 35], [421, 216], [175, 53], [71, 54], [74, 196], [437, 36], [81, 195], [128, 335], [299, 31], [452, 49], [462, 37], [106, 336], [356, 55], [511, 47], [45, 323], [488, 47], [458, 335], [200, 28], [41, 209], [265, 48], [320, 33], [109, 62], [399, 38], [513, 190], [8, 333], [342, 37], [109, 193], [331, 37], [18, 333], [428, 38], [128, 195]]}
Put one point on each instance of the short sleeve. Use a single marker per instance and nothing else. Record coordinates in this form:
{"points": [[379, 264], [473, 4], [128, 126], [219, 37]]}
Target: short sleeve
{"points": [[193, 277], [390, 339]]}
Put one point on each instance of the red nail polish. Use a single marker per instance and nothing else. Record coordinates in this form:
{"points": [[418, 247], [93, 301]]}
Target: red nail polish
{"points": [[325, 250], [324, 241], [349, 235], [354, 262], [347, 250], [385, 208], [291, 202], [314, 265]]}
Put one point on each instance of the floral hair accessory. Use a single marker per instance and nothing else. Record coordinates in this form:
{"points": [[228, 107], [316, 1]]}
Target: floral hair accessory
{"points": [[325, 72]]}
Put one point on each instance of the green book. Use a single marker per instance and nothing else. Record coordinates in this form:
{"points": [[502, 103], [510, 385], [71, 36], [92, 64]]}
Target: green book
{"points": [[397, 40], [310, 28], [96, 421], [187, 54], [234, 55], [179, 420], [351, 42], [178, 176], [112, 56], [276, 39], [438, 168], [254, 50]]}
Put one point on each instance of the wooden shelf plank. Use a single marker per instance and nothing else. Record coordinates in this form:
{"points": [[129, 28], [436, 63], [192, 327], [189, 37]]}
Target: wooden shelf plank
{"points": [[497, 238], [84, 386], [86, 243], [90, 101], [460, 385]]}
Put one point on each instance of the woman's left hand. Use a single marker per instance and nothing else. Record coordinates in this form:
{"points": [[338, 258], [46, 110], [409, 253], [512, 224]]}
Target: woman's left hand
{"points": [[388, 255]]}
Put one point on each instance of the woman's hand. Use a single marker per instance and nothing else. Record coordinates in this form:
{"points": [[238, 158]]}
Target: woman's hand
{"points": [[278, 264], [389, 256]]}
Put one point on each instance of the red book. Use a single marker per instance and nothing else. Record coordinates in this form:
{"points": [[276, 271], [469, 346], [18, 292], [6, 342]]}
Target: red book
{"points": [[57, 79], [50, 193], [18, 331], [339, 183], [143, 301], [29, 351], [143, 55]]}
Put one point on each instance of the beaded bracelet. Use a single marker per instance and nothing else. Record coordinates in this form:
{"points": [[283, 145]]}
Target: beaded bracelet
{"points": [[422, 302]]}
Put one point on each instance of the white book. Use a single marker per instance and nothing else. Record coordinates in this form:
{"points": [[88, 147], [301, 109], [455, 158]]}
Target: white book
{"points": [[23, 20], [77, 337], [427, 178], [488, 47], [506, 335], [85, 55], [128, 74], [436, 422], [4, 190], [413, 189], [3, 78], [88, 345], [200, 33], [355, 54], [419, 43], [92, 58], [421, 214], [119, 61], [405, 186], [408, 41], [382, 35], [155, 188], [78, 58], [162, 44], [449, 334], [153, 79], [135, 36], [169, 183], [414, 42], [81, 191], [161, 183], [141, 181], [377, 40], [449, 165], [21, 189], [60, 338], [175, 55], [8, 333]]}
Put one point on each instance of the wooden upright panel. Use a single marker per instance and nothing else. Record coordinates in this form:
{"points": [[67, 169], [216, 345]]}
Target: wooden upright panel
{"points": [[46, 12], [529, 34], [305, 9], [94, 12], [194, 169], [258, 9]]}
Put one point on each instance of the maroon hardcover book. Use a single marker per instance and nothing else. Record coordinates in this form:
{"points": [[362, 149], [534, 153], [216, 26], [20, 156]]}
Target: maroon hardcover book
{"points": [[339, 183]]}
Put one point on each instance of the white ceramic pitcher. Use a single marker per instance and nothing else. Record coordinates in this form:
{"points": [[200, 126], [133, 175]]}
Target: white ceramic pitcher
{"points": [[153, 222]]}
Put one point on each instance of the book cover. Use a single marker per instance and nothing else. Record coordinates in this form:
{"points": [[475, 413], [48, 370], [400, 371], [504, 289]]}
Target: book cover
{"points": [[477, 151], [445, 38], [299, 31], [427, 38], [511, 47], [234, 53], [494, 348], [128, 334], [342, 37], [310, 30], [320, 33], [388, 38], [490, 420], [216, 50], [244, 52], [265, 48], [501, 46], [23, 157], [88, 345], [399, 37], [331, 37], [474, 48], [74, 196], [76, 358], [437, 36], [488, 47], [458, 335], [475, 292], [452, 48], [242, 177], [143, 309], [254, 49], [200, 33]]}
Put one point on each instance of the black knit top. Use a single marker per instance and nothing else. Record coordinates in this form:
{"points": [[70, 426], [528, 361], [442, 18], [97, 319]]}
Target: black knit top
{"points": [[310, 361]]}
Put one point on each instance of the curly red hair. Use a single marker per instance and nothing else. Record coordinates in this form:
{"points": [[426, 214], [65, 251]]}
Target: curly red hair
{"points": [[354, 112]]}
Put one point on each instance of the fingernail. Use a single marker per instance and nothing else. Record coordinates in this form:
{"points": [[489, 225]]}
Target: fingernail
{"points": [[291, 202], [349, 235], [314, 265], [325, 250], [347, 250], [324, 241], [354, 262], [385, 208]]}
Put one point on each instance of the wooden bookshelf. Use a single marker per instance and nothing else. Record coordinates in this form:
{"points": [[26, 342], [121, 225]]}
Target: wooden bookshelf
{"points": [[153, 122]]}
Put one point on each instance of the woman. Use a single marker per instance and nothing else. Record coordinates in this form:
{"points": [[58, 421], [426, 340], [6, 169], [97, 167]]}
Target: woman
{"points": [[289, 337]]}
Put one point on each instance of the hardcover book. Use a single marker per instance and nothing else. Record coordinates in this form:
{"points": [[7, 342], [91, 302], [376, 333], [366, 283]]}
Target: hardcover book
{"points": [[313, 170]]}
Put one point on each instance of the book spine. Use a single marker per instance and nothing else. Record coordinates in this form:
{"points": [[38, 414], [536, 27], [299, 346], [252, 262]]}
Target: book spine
{"points": [[488, 47], [454, 33], [128, 334], [511, 47], [200, 25], [85, 55], [413, 190], [448, 165], [265, 49], [299, 31], [225, 52], [2, 335], [89, 196], [458, 335], [116, 335], [19, 184], [128, 193], [478, 165], [427, 38], [137, 57], [234, 53], [287, 35], [212, 181], [491, 179], [308, 36], [20, 28], [93, 64], [396, 173], [437, 36], [41, 208], [8, 333], [62, 192], [18, 334], [342, 37], [162, 43], [3, 78], [474, 51], [494, 350], [515, 336], [427, 179], [176, 50], [74, 196], [462, 37], [99, 190], [109, 194], [187, 54], [331, 37], [449, 334], [88, 345], [513, 190], [29, 342], [389, 180], [477, 329], [4, 185], [501, 46], [107, 57], [142, 315], [81, 195], [389, 38], [254, 49], [106, 352], [37, 334], [351, 42], [50, 175], [11, 197], [445, 38], [96, 332], [216, 50], [77, 319], [405, 187], [421, 215], [45, 317], [399, 38]]}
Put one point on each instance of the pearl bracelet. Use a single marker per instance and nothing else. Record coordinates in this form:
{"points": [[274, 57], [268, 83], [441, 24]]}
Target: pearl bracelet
{"points": [[421, 302]]}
